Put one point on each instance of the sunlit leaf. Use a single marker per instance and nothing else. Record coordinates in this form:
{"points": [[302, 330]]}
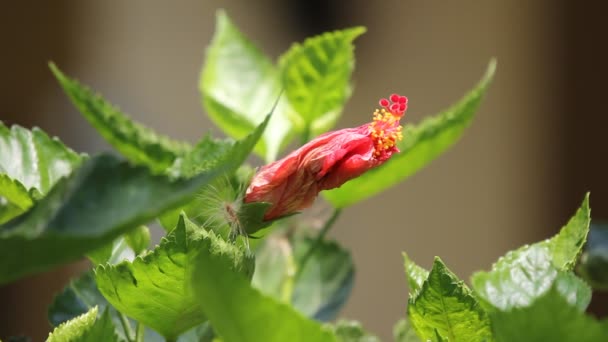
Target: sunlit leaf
{"points": [[523, 275], [103, 199], [163, 275], [138, 143], [415, 274], [445, 307], [30, 164], [316, 76], [85, 328], [239, 312], [239, 86]]}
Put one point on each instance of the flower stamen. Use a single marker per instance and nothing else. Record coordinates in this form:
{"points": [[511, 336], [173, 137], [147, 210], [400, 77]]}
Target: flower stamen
{"points": [[385, 130]]}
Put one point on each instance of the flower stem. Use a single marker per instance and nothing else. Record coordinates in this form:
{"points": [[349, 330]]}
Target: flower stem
{"points": [[126, 326], [139, 332], [328, 225]]}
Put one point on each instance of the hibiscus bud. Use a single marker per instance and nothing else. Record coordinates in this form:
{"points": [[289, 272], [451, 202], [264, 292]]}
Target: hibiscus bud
{"points": [[328, 161]]}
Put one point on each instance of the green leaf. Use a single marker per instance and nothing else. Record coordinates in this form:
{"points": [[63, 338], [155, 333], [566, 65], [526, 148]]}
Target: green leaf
{"points": [[80, 296], [15, 193], [567, 246], [73, 219], [421, 144], [138, 239], [75, 328], [164, 276], [325, 283], [239, 312], [403, 332], [85, 328], [321, 287], [517, 278], [523, 275], [239, 86], [594, 262], [352, 331], [8, 210], [416, 275], [275, 267], [112, 253], [124, 247], [316, 76], [30, 164], [138, 143], [445, 304], [204, 156], [251, 216], [548, 318]]}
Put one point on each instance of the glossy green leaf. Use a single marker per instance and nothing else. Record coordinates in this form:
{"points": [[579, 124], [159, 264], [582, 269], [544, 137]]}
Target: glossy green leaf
{"points": [[517, 278], [164, 275], [523, 275], [415, 274], [239, 85], [316, 76], [85, 328], [421, 144], [136, 142], [403, 332], [238, 312], [352, 331], [446, 307], [103, 199], [30, 164], [594, 262], [548, 318]]}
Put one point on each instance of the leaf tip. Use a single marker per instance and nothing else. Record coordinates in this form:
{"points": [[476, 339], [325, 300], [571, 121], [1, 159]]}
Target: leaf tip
{"points": [[357, 31], [586, 199], [55, 70], [490, 71]]}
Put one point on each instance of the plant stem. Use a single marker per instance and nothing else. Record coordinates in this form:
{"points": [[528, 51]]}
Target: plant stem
{"points": [[328, 224], [139, 332], [126, 326]]}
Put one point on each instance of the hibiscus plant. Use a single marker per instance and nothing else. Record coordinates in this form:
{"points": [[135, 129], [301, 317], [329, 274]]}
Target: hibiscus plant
{"points": [[238, 260]]}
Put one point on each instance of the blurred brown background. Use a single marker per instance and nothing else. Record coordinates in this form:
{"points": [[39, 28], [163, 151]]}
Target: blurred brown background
{"points": [[536, 146]]}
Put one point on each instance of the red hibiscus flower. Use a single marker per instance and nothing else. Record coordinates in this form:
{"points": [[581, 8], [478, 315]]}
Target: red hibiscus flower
{"points": [[292, 183]]}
